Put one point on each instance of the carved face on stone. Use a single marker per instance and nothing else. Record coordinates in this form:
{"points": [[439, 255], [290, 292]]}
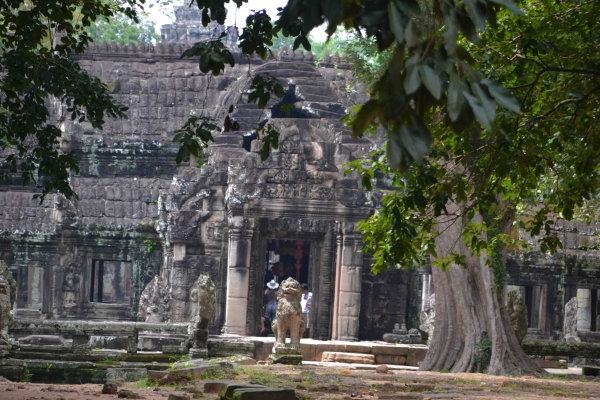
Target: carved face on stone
{"points": [[290, 289]]}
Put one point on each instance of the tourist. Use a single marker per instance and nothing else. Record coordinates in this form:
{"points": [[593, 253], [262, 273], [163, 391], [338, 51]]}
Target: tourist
{"points": [[306, 303], [271, 308]]}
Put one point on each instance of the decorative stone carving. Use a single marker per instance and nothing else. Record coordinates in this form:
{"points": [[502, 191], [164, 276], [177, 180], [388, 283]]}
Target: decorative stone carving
{"points": [[71, 285], [570, 321], [154, 305], [205, 292], [401, 335], [288, 319], [8, 293], [517, 312], [427, 318]]}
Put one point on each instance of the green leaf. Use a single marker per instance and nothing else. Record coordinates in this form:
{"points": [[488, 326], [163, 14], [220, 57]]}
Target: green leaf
{"points": [[395, 155], [415, 143], [412, 81], [486, 102], [477, 110], [410, 34], [450, 35], [396, 24], [478, 12], [367, 113], [456, 100], [431, 80], [510, 5], [408, 7], [502, 95]]}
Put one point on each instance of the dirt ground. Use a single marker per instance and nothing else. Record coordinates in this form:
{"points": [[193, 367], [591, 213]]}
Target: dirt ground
{"points": [[313, 382]]}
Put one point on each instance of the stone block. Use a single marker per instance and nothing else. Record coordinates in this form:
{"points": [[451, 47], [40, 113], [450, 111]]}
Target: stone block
{"points": [[416, 355], [157, 375], [392, 350], [12, 369], [351, 358], [263, 394], [390, 359], [128, 374], [226, 349], [226, 390], [288, 359]]}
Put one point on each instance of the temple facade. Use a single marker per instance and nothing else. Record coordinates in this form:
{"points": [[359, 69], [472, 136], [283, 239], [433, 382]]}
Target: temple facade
{"points": [[144, 227]]}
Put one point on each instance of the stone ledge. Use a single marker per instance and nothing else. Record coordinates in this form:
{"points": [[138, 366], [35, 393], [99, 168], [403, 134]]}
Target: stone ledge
{"points": [[351, 358]]}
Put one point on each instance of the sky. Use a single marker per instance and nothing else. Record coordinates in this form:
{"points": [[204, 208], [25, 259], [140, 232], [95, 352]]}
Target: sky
{"points": [[165, 16]]}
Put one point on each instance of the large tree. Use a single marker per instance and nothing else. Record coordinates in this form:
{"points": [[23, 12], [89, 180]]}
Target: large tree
{"points": [[462, 203]]}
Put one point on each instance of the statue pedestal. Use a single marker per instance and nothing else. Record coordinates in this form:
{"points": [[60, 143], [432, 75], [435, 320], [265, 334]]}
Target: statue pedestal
{"points": [[286, 355]]}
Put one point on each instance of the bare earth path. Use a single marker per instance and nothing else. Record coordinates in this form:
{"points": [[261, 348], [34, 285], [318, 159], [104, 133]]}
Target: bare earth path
{"points": [[312, 382]]}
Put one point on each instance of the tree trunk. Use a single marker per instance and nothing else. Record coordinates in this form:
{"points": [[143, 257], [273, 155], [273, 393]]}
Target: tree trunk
{"points": [[466, 306]]}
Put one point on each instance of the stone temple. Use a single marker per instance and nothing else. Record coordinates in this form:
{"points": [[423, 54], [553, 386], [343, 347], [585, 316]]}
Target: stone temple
{"points": [[145, 228], [144, 222]]}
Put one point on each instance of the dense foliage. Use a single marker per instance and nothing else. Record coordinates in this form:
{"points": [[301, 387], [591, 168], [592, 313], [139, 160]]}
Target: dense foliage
{"points": [[526, 168], [37, 40]]}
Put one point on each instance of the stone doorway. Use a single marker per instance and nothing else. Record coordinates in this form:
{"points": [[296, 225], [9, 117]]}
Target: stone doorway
{"points": [[315, 270]]}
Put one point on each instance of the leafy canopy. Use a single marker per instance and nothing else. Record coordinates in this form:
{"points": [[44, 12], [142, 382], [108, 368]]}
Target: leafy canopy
{"points": [[529, 167], [37, 40]]}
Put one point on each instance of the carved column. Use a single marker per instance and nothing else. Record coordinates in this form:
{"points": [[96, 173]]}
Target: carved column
{"points": [[238, 273], [350, 281]]}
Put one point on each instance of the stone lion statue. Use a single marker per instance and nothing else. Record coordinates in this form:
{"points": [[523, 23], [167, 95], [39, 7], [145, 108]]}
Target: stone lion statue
{"points": [[517, 312], [289, 314]]}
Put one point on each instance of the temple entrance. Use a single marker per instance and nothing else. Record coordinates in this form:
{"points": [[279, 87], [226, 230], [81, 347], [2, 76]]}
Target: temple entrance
{"points": [[287, 259], [283, 259]]}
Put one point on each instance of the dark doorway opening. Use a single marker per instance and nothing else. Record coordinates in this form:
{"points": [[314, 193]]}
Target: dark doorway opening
{"points": [[287, 259]]}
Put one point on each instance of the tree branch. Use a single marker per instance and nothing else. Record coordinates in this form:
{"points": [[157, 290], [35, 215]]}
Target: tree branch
{"points": [[569, 101]]}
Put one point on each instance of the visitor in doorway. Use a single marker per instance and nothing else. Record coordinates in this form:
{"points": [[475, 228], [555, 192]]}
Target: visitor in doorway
{"points": [[271, 308], [306, 303]]}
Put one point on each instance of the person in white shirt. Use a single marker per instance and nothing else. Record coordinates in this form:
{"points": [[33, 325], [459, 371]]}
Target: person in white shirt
{"points": [[306, 303]]}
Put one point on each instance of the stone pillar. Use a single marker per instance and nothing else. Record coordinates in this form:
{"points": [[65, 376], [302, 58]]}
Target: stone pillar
{"points": [[238, 274], [584, 309], [427, 289], [132, 342], [350, 283]]}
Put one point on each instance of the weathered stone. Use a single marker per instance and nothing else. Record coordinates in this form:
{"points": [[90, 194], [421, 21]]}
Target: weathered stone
{"points": [[8, 293], [128, 394], [517, 312], [177, 397], [127, 374], [203, 292], [289, 317], [353, 358], [382, 369], [416, 355], [390, 359], [570, 322], [157, 375], [427, 318], [154, 305], [110, 388], [184, 374], [262, 394]]}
